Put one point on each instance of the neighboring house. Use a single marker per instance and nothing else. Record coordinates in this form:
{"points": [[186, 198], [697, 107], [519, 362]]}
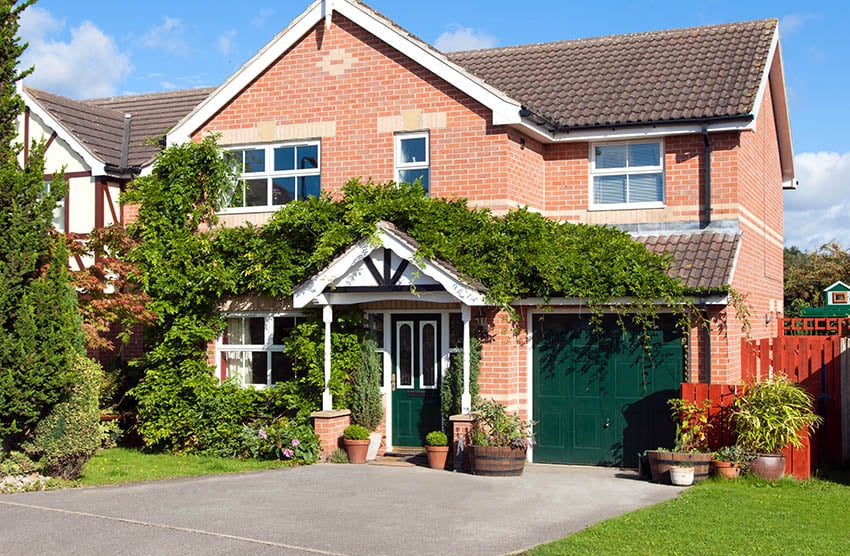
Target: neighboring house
{"points": [[837, 297], [681, 137], [100, 145]]}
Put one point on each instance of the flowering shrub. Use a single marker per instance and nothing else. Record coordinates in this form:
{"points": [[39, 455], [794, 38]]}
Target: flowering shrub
{"points": [[280, 439]]}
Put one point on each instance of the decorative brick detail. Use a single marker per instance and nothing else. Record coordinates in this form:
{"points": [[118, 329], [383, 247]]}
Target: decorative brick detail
{"points": [[329, 426]]}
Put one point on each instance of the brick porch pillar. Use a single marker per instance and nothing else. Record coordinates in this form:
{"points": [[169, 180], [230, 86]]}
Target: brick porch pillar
{"points": [[461, 425], [329, 426]]}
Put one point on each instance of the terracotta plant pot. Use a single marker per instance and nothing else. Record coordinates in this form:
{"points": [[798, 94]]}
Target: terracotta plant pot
{"points": [[725, 469], [768, 466], [356, 450], [437, 456]]}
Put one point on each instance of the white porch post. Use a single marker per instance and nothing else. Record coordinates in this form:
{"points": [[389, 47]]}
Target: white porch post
{"points": [[466, 397], [327, 399]]}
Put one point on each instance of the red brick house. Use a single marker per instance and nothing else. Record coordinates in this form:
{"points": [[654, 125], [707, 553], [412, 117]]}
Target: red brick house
{"points": [[680, 137]]}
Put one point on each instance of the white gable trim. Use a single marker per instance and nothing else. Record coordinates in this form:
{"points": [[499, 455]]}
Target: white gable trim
{"points": [[505, 110], [313, 290], [839, 282], [97, 167]]}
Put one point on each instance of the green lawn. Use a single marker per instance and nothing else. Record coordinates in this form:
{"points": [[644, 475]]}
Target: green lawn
{"points": [[120, 465], [744, 516]]}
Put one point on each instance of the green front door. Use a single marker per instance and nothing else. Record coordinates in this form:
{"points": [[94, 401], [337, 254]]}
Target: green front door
{"points": [[416, 378], [601, 391]]}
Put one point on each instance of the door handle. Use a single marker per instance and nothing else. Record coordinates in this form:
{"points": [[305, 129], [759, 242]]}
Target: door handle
{"points": [[392, 385], [607, 424]]}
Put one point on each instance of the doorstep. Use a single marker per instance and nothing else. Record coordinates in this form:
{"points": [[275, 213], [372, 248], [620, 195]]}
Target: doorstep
{"points": [[402, 458]]}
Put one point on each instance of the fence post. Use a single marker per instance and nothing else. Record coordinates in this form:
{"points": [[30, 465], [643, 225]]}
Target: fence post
{"points": [[844, 404]]}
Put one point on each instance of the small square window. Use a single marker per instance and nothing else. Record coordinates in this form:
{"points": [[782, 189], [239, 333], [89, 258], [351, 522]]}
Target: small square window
{"points": [[839, 297], [627, 175], [413, 159]]}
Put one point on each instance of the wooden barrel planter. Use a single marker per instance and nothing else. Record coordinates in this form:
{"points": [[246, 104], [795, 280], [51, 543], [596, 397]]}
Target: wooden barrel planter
{"points": [[496, 461], [660, 462]]}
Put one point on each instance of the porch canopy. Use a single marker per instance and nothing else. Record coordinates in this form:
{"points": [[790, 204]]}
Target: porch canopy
{"points": [[385, 267]]}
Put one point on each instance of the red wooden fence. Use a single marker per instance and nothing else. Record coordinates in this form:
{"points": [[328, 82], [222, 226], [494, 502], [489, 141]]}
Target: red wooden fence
{"points": [[812, 361]]}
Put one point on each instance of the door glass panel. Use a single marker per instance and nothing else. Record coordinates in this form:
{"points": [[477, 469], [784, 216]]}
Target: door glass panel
{"points": [[429, 355], [405, 355]]}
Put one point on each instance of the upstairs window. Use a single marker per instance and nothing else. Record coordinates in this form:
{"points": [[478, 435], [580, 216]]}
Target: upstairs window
{"points": [[627, 175], [413, 159], [271, 176], [252, 349]]}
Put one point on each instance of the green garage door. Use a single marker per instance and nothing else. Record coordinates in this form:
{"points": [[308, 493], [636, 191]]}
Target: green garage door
{"points": [[601, 391]]}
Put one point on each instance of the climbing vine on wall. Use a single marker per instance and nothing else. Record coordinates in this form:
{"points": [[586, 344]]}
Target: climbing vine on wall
{"points": [[187, 262]]}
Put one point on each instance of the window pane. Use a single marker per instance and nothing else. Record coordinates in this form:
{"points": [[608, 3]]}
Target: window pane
{"points": [[308, 157], [645, 188], [283, 190], [413, 150], [455, 330], [376, 328], [256, 193], [236, 364], [234, 332], [611, 156], [609, 189], [405, 355], [257, 326], [282, 370], [429, 355], [410, 176], [645, 154], [259, 367], [284, 159], [255, 160], [283, 326], [311, 186]]}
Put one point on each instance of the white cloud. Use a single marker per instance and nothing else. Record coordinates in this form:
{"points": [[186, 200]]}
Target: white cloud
{"points": [[464, 38], [169, 37], [225, 41], [89, 65], [791, 22], [817, 212], [260, 19]]}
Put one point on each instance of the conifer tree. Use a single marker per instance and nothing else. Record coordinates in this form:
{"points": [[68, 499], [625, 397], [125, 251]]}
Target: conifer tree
{"points": [[40, 329]]}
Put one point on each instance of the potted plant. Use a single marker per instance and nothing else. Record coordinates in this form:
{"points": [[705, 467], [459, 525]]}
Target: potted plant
{"points": [[729, 461], [355, 439], [682, 473], [498, 441], [767, 417], [437, 448], [691, 441], [367, 405]]}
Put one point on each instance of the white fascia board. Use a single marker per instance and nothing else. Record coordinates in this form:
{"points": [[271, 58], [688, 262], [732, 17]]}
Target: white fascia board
{"points": [[313, 288], [250, 70], [97, 167], [765, 76], [614, 133], [505, 110], [355, 298]]}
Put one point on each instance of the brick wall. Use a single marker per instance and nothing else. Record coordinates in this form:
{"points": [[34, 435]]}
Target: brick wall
{"points": [[503, 374]]}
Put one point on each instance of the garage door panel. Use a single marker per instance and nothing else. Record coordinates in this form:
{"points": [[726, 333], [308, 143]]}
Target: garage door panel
{"points": [[606, 392]]}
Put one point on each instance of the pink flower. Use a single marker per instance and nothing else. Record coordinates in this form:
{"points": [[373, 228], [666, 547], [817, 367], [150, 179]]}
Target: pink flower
{"points": [[296, 442], [287, 453], [262, 434]]}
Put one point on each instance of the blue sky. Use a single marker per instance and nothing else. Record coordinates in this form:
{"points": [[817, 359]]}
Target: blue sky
{"points": [[94, 48]]}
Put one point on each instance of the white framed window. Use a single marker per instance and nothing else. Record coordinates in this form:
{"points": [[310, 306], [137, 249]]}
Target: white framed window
{"points": [[627, 175], [272, 175], [413, 158], [252, 349]]}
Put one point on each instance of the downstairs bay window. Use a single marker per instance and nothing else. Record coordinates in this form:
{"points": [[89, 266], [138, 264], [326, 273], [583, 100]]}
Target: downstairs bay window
{"points": [[627, 175], [251, 349]]}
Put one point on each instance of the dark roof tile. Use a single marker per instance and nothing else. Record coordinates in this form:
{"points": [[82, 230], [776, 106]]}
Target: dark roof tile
{"points": [[702, 261], [681, 74]]}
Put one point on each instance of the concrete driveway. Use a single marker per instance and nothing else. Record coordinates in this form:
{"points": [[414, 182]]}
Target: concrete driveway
{"points": [[324, 509]]}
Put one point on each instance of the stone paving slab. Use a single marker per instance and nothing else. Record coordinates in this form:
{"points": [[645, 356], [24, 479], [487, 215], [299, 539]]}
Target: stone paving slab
{"points": [[324, 509]]}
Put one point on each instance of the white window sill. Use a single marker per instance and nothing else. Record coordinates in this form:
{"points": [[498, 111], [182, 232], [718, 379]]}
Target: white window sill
{"points": [[626, 206]]}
